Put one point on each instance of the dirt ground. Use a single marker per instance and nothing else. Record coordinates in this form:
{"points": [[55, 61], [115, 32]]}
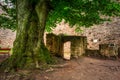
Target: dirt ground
{"points": [[84, 68]]}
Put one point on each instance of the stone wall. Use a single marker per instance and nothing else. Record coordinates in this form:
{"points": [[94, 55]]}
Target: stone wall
{"points": [[53, 43], [66, 46], [7, 38], [78, 45], [108, 50], [108, 32]]}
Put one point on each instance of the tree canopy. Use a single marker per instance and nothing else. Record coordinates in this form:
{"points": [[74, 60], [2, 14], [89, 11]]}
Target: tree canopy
{"points": [[75, 12], [31, 17]]}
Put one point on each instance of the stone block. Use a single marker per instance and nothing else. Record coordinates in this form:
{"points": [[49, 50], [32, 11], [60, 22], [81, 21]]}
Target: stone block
{"points": [[108, 50]]}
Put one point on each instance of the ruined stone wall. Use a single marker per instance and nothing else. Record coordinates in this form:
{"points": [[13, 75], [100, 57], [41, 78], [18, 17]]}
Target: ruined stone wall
{"points": [[106, 33], [78, 45], [109, 32], [7, 38], [66, 46], [53, 43], [109, 50]]}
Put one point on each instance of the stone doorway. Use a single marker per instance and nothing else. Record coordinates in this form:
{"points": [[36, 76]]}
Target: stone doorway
{"points": [[67, 50], [66, 46]]}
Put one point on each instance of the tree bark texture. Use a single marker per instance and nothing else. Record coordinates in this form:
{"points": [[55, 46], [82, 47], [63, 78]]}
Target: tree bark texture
{"points": [[29, 49]]}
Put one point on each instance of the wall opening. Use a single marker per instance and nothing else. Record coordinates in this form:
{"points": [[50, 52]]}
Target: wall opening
{"points": [[67, 50]]}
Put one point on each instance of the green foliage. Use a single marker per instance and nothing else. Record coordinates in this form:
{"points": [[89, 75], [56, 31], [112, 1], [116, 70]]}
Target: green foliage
{"points": [[81, 12], [8, 15]]}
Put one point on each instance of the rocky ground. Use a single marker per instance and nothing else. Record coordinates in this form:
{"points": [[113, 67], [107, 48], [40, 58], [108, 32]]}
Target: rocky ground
{"points": [[84, 68]]}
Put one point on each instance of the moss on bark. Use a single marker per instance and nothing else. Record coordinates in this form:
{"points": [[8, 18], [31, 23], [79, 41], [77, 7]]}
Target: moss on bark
{"points": [[29, 50]]}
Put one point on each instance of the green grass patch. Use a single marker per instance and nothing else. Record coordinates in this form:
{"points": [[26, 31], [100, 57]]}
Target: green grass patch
{"points": [[4, 50]]}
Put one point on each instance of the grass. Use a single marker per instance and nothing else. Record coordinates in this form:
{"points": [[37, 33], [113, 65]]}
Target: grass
{"points": [[4, 51]]}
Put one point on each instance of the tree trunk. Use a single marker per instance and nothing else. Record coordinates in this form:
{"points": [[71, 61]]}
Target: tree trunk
{"points": [[29, 49]]}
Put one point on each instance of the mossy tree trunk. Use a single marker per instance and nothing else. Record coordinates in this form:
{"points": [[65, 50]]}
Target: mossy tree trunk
{"points": [[29, 49]]}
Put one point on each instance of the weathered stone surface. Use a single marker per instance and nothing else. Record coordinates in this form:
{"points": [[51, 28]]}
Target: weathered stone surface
{"points": [[78, 45], [7, 38], [53, 44], [93, 53], [108, 32], [66, 46], [109, 50]]}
